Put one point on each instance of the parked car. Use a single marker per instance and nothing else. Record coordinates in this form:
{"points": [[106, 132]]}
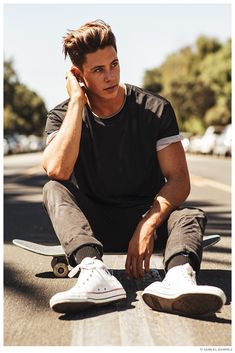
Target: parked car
{"points": [[5, 146], [20, 143], [207, 141], [13, 144], [35, 143], [185, 140], [223, 143], [23, 142], [194, 144]]}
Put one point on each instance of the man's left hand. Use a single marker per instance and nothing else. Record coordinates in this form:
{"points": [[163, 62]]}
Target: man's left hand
{"points": [[140, 250]]}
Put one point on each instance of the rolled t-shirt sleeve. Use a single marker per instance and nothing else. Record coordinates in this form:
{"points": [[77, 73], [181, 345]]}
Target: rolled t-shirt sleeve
{"points": [[169, 130]]}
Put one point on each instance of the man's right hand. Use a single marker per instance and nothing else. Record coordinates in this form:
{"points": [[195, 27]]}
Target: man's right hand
{"points": [[73, 87]]}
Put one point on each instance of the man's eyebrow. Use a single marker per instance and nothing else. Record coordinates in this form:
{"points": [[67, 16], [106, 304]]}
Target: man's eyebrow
{"points": [[97, 67], [101, 66]]}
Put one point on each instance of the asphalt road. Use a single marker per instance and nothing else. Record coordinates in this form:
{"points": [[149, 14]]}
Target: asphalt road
{"points": [[29, 283]]}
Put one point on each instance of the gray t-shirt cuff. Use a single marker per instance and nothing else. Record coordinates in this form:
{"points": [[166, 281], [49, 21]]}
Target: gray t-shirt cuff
{"points": [[166, 141]]}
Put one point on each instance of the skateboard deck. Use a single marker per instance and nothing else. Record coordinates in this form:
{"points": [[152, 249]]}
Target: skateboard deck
{"points": [[59, 261], [46, 250]]}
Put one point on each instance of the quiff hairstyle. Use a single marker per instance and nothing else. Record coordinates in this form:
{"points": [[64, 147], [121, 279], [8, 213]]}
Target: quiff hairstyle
{"points": [[87, 39]]}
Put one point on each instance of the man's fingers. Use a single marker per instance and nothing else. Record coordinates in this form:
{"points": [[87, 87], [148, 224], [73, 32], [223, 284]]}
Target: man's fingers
{"points": [[128, 265], [147, 263], [134, 267], [140, 266], [69, 73]]}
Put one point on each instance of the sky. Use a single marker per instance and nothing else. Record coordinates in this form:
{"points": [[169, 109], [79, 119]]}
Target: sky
{"points": [[146, 34]]}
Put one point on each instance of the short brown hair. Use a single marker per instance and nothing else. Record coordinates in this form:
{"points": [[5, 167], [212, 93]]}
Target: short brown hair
{"points": [[87, 39]]}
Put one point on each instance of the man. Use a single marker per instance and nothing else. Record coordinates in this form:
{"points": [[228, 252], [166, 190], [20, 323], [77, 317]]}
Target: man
{"points": [[121, 146]]}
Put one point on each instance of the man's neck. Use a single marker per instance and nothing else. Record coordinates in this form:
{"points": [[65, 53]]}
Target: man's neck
{"points": [[107, 107]]}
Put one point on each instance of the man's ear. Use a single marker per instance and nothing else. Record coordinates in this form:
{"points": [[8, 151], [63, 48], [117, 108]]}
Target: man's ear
{"points": [[77, 73]]}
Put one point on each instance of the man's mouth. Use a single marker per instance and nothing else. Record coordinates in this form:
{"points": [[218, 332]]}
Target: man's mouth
{"points": [[111, 87]]}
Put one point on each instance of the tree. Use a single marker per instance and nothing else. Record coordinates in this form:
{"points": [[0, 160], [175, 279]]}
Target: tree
{"points": [[197, 81], [205, 46], [216, 72], [10, 81], [191, 100], [153, 80], [24, 110]]}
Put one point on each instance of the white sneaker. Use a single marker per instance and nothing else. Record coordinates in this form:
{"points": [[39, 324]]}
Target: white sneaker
{"points": [[179, 293], [95, 286]]}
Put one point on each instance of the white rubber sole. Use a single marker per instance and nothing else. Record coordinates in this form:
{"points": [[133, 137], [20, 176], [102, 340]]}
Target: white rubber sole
{"points": [[197, 302], [74, 303]]}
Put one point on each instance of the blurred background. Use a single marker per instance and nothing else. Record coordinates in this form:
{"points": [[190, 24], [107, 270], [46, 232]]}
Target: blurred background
{"points": [[180, 51]]}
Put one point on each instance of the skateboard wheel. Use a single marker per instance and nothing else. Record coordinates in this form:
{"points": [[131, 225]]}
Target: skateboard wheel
{"points": [[61, 270], [60, 267]]}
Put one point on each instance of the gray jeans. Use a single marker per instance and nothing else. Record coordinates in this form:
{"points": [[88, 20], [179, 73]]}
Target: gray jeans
{"points": [[79, 221]]}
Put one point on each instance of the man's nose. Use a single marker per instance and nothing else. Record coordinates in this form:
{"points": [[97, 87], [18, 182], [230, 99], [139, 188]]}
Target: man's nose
{"points": [[108, 75]]}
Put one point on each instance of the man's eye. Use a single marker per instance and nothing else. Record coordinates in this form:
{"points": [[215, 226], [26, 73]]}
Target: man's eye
{"points": [[99, 69], [115, 64]]}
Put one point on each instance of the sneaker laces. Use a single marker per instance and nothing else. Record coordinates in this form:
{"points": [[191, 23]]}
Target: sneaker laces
{"points": [[79, 267]]}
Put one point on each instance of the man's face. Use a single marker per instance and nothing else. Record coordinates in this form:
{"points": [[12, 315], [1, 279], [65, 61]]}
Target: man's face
{"points": [[101, 73]]}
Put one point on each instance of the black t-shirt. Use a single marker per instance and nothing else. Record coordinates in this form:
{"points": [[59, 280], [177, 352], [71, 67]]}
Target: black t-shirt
{"points": [[117, 162]]}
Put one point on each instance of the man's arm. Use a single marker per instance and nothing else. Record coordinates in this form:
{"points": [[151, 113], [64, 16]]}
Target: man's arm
{"points": [[61, 153], [174, 167]]}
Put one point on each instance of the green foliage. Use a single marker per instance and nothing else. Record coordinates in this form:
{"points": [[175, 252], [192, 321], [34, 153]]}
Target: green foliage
{"points": [[24, 110], [193, 124], [207, 46], [197, 81], [153, 79]]}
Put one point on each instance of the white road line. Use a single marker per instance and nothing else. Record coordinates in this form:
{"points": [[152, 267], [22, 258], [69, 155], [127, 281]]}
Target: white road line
{"points": [[202, 182]]}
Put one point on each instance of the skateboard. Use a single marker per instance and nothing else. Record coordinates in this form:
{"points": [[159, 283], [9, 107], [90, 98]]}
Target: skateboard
{"points": [[59, 262]]}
